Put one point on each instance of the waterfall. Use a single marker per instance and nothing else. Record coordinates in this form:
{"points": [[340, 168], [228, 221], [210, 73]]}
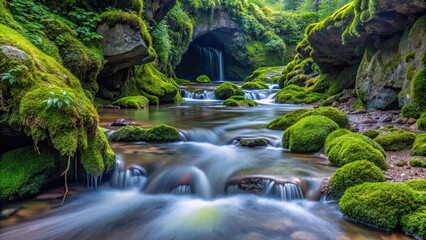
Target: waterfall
{"points": [[198, 95], [127, 178], [212, 62], [221, 67]]}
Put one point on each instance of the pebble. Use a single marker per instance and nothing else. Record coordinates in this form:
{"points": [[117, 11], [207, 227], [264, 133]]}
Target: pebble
{"points": [[386, 119], [5, 213], [402, 120], [121, 123], [369, 121], [411, 121]]}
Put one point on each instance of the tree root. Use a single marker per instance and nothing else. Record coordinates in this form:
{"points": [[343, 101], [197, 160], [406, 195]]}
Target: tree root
{"points": [[66, 182]]}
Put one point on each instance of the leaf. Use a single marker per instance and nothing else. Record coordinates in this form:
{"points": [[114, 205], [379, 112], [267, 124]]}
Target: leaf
{"points": [[59, 104], [11, 80], [5, 77], [55, 100], [49, 102], [67, 102]]}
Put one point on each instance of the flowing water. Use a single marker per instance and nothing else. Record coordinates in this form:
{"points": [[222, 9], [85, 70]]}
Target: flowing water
{"points": [[205, 186]]}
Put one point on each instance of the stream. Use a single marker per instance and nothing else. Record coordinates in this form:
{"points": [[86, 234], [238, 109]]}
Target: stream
{"points": [[199, 188]]}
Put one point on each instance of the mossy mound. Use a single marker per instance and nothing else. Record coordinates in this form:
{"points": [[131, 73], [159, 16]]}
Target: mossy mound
{"points": [[227, 90], [265, 74], [24, 171], [239, 101], [287, 120], [336, 134], [418, 89], [410, 111], [421, 122], [379, 204], [331, 140], [417, 184], [415, 223], [133, 102], [419, 146], [395, 139], [353, 147], [254, 85], [297, 95], [203, 79], [255, 142], [371, 133], [159, 133], [355, 173], [308, 134], [417, 162], [334, 114]]}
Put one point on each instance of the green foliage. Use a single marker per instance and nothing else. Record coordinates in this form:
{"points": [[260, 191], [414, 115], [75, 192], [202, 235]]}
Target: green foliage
{"points": [[395, 140], [239, 101], [132, 102], [86, 23], [287, 120], [227, 90], [410, 111], [265, 74], [355, 173], [371, 133], [203, 79], [419, 146], [297, 95], [59, 99], [24, 171], [414, 223], [9, 75], [417, 162], [421, 122], [254, 85], [300, 137], [416, 184], [336, 134], [379, 204], [160, 133], [333, 113]]}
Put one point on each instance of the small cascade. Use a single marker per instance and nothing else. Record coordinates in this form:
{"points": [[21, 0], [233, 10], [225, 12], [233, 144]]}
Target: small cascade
{"points": [[257, 94], [201, 135], [182, 190], [128, 178], [212, 62], [198, 95], [92, 181], [284, 191]]}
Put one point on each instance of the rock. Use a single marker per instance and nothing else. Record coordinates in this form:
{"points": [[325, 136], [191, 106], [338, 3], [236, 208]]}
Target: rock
{"points": [[402, 120], [50, 196], [302, 235], [335, 104], [369, 121], [123, 48], [12, 52], [121, 123], [386, 119], [359, 111], [110, 106], [411, 121], [156, 10], [253, 142], [5, 213]]}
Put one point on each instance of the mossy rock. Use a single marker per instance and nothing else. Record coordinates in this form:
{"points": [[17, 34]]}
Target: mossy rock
{"points": [[333, 113], [410, 111], [416, 184], [297, 95], [24, 171], [417, 162], [396, 140], [371, 133], [227, 90], [239, 101], [418, 89], [353, 147], [133, 102], [203, 79], [415, 223], [331, 140], [355, 173], [159, 133], [254, 142], [378, 204], [254, 85], [419, 146], [308, 134], [287, 120], [421, 122]]}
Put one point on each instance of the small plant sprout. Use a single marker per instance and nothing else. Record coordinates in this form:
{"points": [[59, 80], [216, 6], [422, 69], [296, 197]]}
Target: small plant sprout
{"points": [[9, 75], [59, 99]]}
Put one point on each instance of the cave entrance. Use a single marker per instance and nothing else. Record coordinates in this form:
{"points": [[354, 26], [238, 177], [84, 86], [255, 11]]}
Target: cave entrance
{"points": [[206, 55]]}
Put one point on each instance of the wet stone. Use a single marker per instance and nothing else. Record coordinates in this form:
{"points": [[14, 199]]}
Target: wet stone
{"points": [[121, 123]]}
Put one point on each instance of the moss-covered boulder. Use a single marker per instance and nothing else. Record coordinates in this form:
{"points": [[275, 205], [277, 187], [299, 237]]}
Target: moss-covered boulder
{"points": [[419, 146], [410, 111], [308, 134], [333, 113], [253, 142], [227, 90], [379, 204], [159, 133], [132, 102], [239, 101], [418, 89], [417, 162], [287, 120], [203, 79], [266, 74], [297, 95], [415, 223], [371, 133], [254, 85], [395, 139], [24, 171], [355, 173], [421, 122], [332, 139], [353, 147]]}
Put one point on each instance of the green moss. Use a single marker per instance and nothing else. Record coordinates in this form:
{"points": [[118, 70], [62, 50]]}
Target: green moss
{"points": [[160, 133], [182, 81], [395, 140], [419, 146], [287, 120], [138, 6], [414, 223], [300, 137], [371, 133], [132, 102], [416, 184], [254, 85], [264, 74], [379, 204], [417, 162], [227, 90], [256, 142], [421, 122], [418, 89], [355, 173], [24, 171], [333, 113], [203, 79], [239, 101], [409, 56], [351, 147], [297, 95], [410, 111]]}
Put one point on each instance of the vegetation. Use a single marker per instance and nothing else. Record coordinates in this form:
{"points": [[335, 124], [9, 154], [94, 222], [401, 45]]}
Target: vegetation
{"points": [[239, 101], [297, 95], [160, 133], [334, 114], [371, 133], [203, 79], [132, 102], [410, 111], [419, 146], [418, 88], [417, 162], [421, 122], [287, 120], [392, 139], [254, 85], [227, 90], [300, 137]]}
